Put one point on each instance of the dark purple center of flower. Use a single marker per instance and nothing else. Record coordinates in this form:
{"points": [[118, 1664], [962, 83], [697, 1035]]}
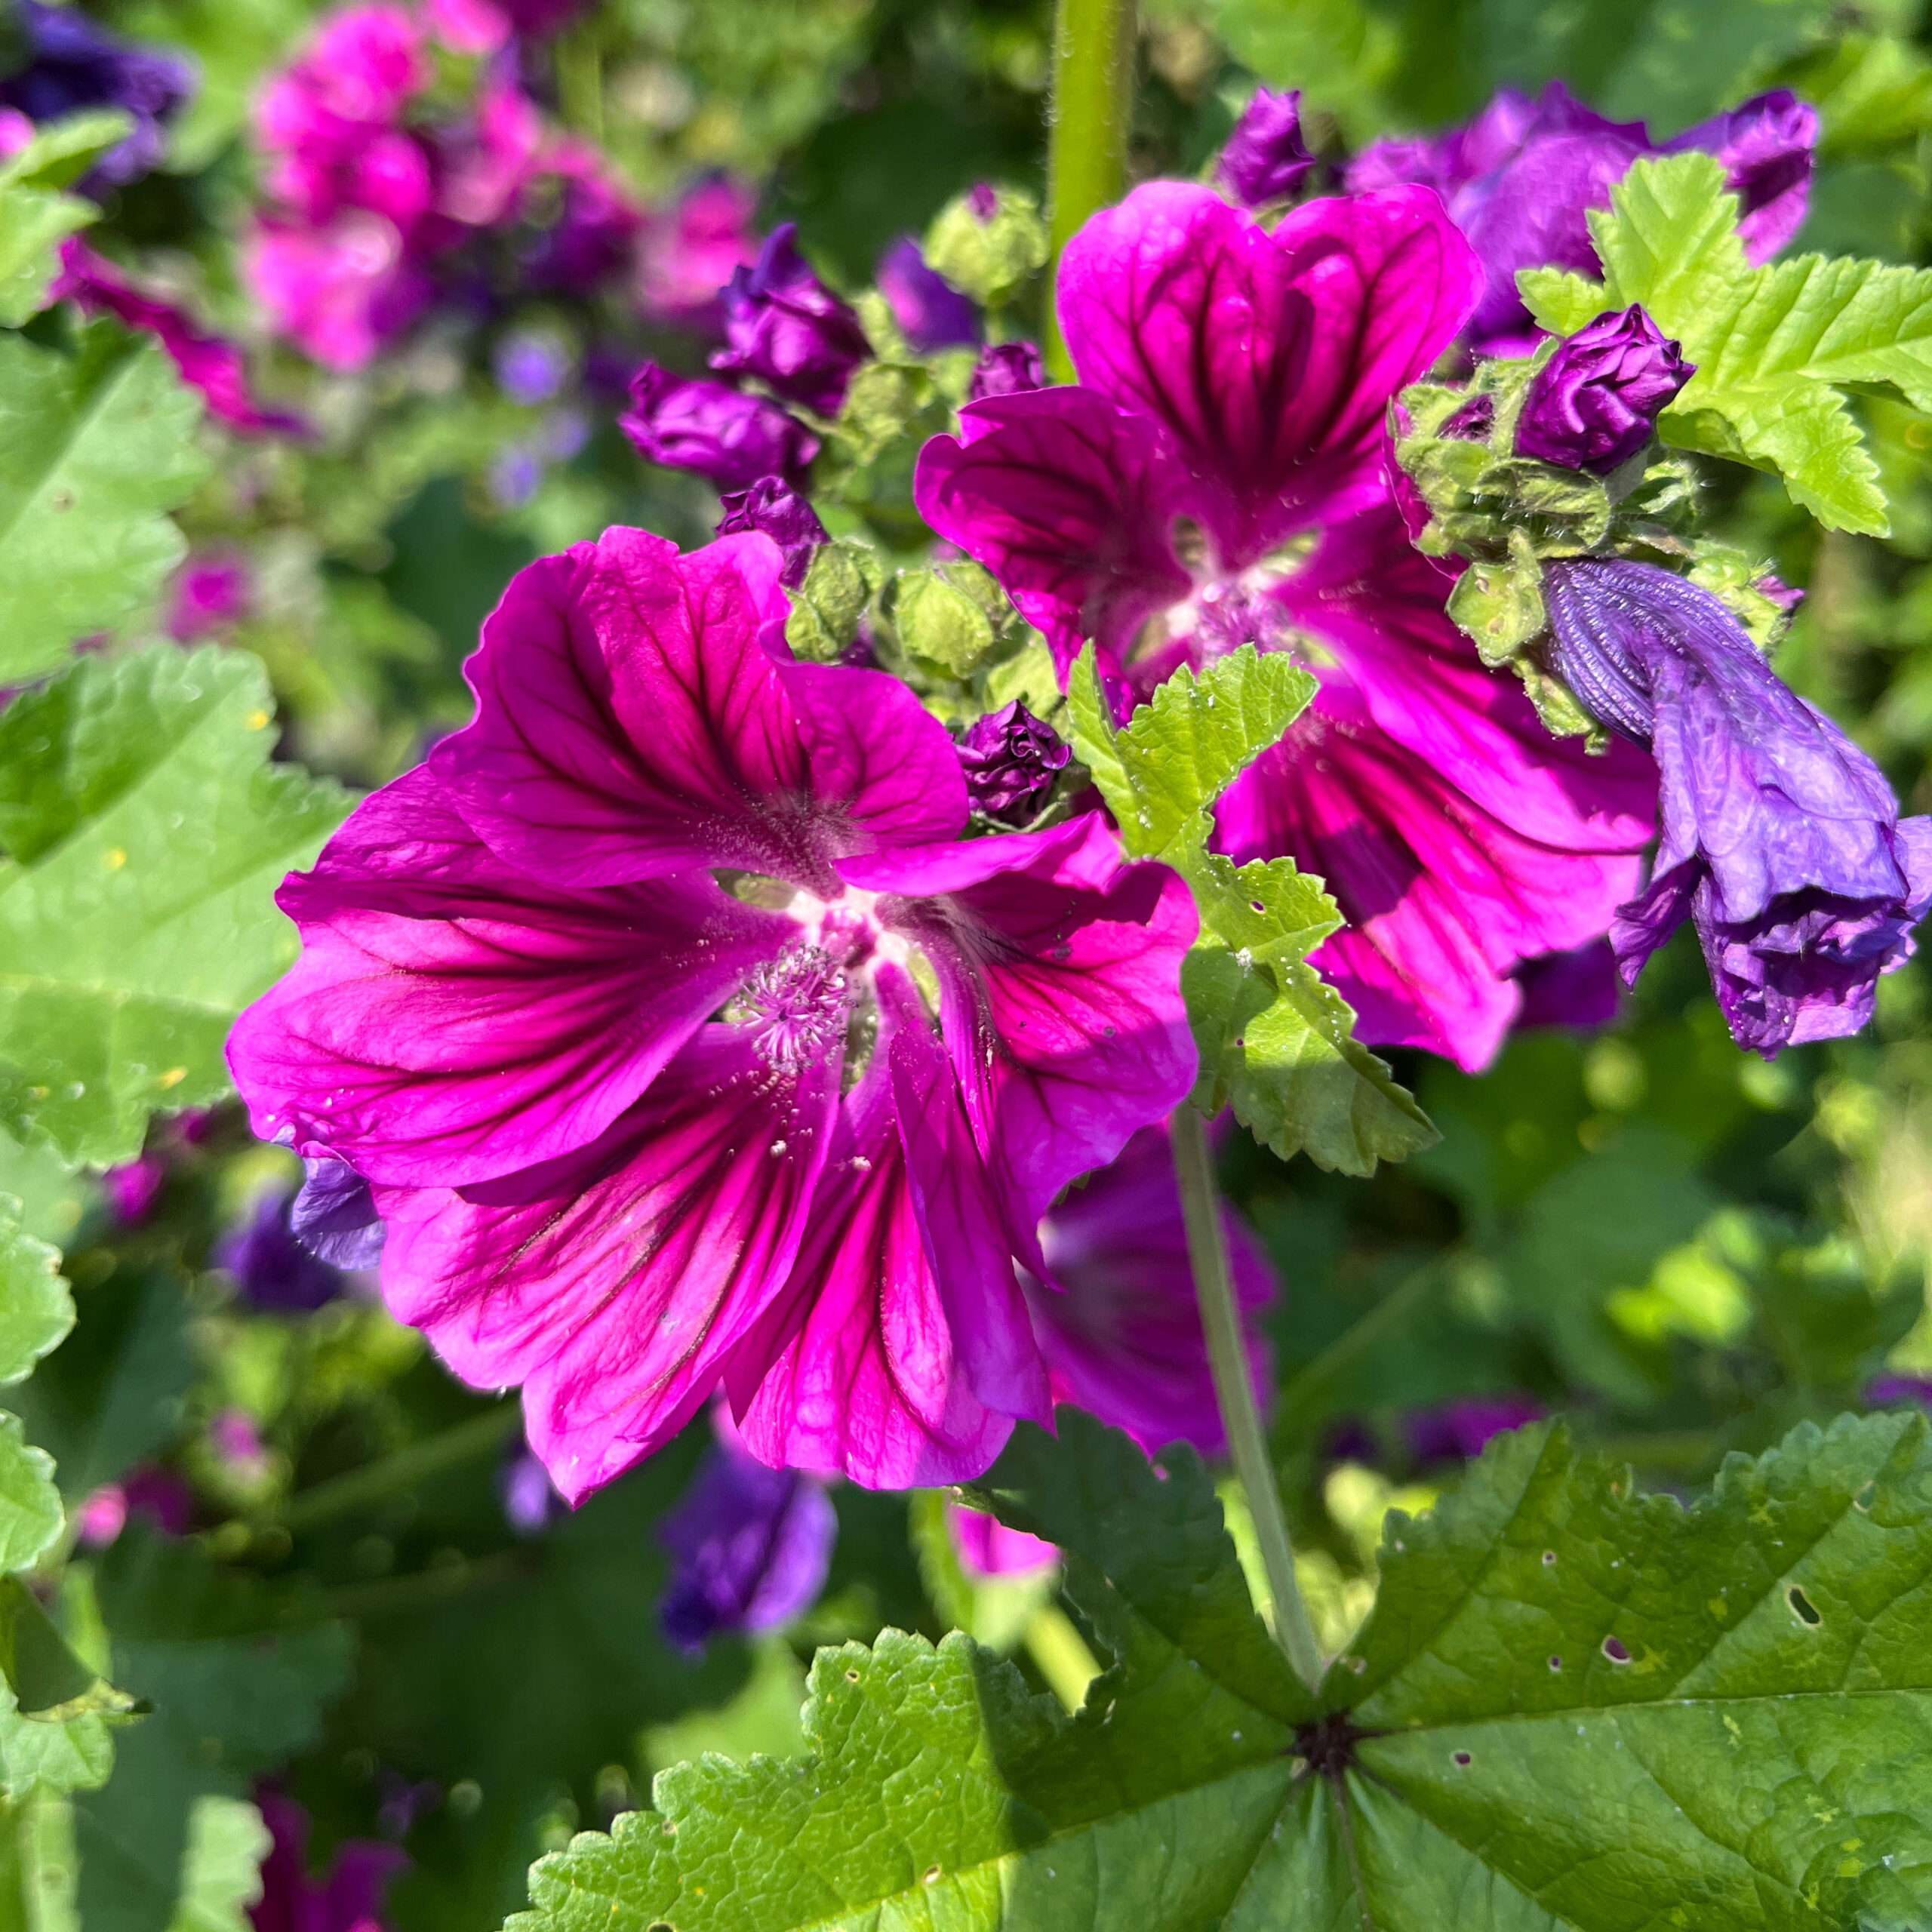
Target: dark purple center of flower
{"points": [[797, 1006]]}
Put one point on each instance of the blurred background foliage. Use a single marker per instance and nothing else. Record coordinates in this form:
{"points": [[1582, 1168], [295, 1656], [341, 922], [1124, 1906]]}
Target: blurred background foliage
{"points": [[1684, 1248]]}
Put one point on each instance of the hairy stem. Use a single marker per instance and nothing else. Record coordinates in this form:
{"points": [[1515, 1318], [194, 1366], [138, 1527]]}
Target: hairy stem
{"points": [[356, 1489], [1234, 1389], [1087, 133]]}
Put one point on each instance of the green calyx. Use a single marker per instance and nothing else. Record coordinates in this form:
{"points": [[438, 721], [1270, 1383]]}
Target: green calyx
{"points": [[988, 254]]}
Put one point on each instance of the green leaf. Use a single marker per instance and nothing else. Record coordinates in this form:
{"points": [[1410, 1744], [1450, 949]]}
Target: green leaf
{"points": [[36, 1306], [35, 217], [1574, 1709], [1276, 1042], [147, 831], [30, 1514], [95, 448], [57, 1714], [1776, 349]]}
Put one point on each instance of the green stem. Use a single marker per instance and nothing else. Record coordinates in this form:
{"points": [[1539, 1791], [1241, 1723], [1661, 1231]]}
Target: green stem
{"points": [[426, 1589], [1234, 1389], [1087, 133], [357, 1489], [1060, 1654]]}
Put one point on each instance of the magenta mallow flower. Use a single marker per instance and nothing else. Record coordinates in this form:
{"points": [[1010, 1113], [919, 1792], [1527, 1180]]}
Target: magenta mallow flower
{"points": [[750, 1548], [210, 364], [1266, 159], [1593, 404], [1521, 178], [772, 505], [348, 1898], [685, 1042], [986, 1547], [932, 315], [1215, 478], [785, 328], [733, 438], [73, 64], [1006, 368], [1011, 761], [689, 252], [1780, 840], [132, 1189]]}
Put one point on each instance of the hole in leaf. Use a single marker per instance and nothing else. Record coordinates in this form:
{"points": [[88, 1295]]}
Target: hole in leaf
{"points": [[1556, 1663], [1614, 1649], [851, 1677], [1802, 1606], [1462, 1758], [1548, 1559]]}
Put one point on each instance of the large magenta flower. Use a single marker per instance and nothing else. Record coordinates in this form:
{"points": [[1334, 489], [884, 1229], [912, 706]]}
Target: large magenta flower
{"points": [[1214, 478], [683, 1038]]}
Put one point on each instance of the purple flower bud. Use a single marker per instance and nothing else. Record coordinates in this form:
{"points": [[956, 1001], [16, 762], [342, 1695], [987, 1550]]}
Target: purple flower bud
{"points": [[271, 1267], [783, 326], [333, 1216], [1787, 597], [772, 505], [132, 1189], [1007, 368], [74, 64], [1011, 760], [690, 423], [1593, 403], [1266, 159], [209, 591], [750, 1547], [982, 200], [1779, 839], [931, 313]]}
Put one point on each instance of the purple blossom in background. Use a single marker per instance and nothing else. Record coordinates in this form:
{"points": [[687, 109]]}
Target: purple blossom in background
{"points": [[74, 63], [734, 439], [531, 366], [132, 1189], [530, 1502], [750, 1548], [1266, 159], [210, 592], [1458, 1431], [1576, 988], [784, 327], [348, 1898], [1007, 368], [272, 1268], [238, 1445], [1780, 840], [503, 1016], [987, 1547], [334, 1215], [1521, 178], [210, 364], [1593, 404], [1011, 762], [773, 507], [1215, 478], [1899, 1391], [932, 315], [151, 1495], [688, 253]]}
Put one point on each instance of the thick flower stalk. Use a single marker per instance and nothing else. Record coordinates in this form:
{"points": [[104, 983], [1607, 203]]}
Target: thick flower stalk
{"points": [[686, 1043], [1215, 478], [1780, 840]]}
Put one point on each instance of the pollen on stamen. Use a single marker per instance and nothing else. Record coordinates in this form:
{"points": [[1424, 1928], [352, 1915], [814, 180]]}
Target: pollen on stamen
{"points": [[797, 1005]]}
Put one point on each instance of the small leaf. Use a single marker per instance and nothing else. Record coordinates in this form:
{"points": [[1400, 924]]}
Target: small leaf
{"points": [[30, 1514], [36, 1306], [56, 1714], [147, 831], [35, 217], [94, 449]]}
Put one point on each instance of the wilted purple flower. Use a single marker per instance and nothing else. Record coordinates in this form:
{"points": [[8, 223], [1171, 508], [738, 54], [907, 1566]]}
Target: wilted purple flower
{"points": [[931, 314], [271, 1267], [531, 1501], [333, 1216], [1521, 178], [1787, 597], [1592, 405], [73, 63], [1011, 761], [349, 1899], [986, 1547], [690, 423], [1007, 368], [1780, 839], [774, 506], [784, 327], [750, 1546], [1458, 1431], [1266, 158]]}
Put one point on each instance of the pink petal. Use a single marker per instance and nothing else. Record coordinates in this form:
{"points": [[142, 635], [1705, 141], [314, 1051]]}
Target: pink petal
{"points": [[613, 1282], [451, 1018], [1271, 358], [1070, 503], [1058, 964], [632, 721]]}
